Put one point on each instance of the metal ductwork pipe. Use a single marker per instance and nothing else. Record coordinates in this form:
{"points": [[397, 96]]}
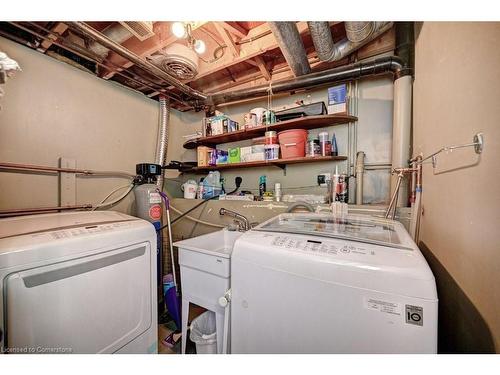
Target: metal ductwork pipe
{"points": [[117, 33], [162, 138], [358, 34], [384, 65], [288, 37], [102, 39]]}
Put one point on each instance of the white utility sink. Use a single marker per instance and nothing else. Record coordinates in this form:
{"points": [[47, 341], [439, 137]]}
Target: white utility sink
{"points": [[205, 263]]}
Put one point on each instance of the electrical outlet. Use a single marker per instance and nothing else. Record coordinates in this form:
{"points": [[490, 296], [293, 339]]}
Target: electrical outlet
{"points": [[323, 179]]}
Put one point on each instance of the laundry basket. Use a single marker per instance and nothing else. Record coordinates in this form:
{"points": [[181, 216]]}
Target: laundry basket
{"points": [[204, 334]]}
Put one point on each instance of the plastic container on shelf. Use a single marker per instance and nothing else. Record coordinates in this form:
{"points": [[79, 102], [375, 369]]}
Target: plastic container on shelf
{"points": [[312, 148], [293, 143], [272, 152], [271, 138], [325, 144]]}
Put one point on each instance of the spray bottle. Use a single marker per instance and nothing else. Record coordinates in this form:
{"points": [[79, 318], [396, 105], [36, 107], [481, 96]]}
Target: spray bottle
{"points": [[335, 150]]}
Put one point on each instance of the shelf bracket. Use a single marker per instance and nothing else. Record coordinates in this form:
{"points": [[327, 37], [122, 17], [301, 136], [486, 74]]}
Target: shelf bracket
{"points": [[283, 167]]}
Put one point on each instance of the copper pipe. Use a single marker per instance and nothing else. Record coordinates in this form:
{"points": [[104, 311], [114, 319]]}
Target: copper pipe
{"points": [[31, 167], [41, 210]]}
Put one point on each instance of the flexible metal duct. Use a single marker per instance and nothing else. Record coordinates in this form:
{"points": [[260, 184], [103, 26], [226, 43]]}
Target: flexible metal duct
{"points": [[117, 33], [358, 34], [390, 64], [288, 37], [162, 139]]}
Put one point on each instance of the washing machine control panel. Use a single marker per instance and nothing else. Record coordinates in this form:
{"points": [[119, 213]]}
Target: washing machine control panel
{"points": [[320, 246]]}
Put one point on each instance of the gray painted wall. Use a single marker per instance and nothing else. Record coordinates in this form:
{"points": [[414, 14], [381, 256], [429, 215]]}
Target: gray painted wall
{"points": [[374, 137]]}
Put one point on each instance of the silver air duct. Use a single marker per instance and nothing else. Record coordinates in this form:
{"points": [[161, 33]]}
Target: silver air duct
{"points": [[162, 139], [288, 37], [358, 34]]}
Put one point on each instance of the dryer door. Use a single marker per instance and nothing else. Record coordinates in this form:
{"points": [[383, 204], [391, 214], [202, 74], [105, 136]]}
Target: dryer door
{"points": [[94, 304]]}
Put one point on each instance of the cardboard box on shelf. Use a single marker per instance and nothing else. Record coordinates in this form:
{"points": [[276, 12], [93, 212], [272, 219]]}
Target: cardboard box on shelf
{"points": [[203, 155], [234, 155], [337, 99]]}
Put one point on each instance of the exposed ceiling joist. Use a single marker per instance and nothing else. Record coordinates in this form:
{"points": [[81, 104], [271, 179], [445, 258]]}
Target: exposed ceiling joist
{"points": [[234, 29], [247, 50], [262, 67], [228, 40], [59, 28]]}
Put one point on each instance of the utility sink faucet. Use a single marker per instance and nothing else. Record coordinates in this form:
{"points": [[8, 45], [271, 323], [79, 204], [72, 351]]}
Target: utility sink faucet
{"points": [[243, 222]]}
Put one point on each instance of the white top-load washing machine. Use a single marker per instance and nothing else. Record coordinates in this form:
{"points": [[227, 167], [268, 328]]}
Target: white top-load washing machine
{"points": [[80, 282], [310, 283]]}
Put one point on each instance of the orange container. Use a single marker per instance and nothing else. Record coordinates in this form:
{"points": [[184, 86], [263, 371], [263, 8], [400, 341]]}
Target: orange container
{"points": [[293, 143]]}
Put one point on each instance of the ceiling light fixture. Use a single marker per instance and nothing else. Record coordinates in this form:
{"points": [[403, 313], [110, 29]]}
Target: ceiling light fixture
{"points": [[183, 30], [179, 30], [199, 46]]}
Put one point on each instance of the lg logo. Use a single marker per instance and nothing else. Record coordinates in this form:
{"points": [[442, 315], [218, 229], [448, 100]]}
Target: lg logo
{"points": [[414, 315]]}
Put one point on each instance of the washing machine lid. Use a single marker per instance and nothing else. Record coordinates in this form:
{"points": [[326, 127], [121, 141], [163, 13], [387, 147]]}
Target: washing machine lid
{"points": [[359, 228], [30, 224]]}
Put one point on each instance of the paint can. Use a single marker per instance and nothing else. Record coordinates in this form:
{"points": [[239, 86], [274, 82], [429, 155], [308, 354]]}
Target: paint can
{"points": [[271, 138], [272, 152]]}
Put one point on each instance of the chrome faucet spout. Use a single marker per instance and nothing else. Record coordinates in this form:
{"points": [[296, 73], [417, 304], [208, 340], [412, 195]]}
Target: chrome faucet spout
{"points": [[243, 222]]}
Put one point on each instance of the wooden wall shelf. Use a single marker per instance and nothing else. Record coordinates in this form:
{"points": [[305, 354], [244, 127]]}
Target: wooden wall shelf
{"points": [[281, 163], [309, 122]]}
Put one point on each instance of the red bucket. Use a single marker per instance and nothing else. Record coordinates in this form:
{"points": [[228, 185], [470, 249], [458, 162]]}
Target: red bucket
{"points": [[293, 143]]}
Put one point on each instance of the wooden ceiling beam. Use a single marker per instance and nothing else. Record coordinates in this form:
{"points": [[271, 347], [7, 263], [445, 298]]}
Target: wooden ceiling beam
{"points": [[234, 29], [247, 50], [262, 67], [228, 40], [59, 28]]}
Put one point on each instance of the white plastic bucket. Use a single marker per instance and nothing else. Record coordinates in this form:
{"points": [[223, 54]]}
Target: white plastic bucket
{"points": [[204, 333]]}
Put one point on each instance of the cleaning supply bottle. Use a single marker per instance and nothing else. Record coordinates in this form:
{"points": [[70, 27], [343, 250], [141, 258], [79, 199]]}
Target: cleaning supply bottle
{"points": [[335, 150], [262, 186], [201, 190]]}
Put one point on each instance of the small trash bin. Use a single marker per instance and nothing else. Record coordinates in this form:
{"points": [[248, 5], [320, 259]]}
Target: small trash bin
{"points": [[204, 333]]}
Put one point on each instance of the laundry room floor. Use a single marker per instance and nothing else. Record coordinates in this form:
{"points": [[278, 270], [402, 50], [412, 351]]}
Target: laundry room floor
{"points": [[165, 329]]}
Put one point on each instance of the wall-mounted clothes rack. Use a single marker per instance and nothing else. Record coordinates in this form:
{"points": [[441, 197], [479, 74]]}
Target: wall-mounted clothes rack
{"points": [[477, 143]]}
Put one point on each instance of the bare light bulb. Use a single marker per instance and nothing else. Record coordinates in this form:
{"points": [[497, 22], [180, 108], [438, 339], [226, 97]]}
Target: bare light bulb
{"points": [[199, 46], [179, 30]]}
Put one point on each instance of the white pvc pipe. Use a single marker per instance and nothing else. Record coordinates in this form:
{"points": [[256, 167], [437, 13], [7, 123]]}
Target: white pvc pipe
{"points": [[415, 216], [401, 132], [360, 168]]}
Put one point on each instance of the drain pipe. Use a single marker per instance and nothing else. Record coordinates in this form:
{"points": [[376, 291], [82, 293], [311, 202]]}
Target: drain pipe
{"points": [[288, 37], [402, 110], [360, 170], [383, 65], [162, 138]]}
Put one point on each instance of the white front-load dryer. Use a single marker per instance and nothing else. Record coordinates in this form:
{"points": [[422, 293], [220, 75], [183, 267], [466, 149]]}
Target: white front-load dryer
{"points": [[309, 283], [79, 282]]}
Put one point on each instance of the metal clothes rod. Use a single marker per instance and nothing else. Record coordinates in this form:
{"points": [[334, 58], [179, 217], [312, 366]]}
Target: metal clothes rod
{"points": [[477, 143]]}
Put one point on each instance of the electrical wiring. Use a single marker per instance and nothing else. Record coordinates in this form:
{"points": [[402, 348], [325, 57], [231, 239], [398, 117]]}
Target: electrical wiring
{"points": [[103, 203], [221, 47]]}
